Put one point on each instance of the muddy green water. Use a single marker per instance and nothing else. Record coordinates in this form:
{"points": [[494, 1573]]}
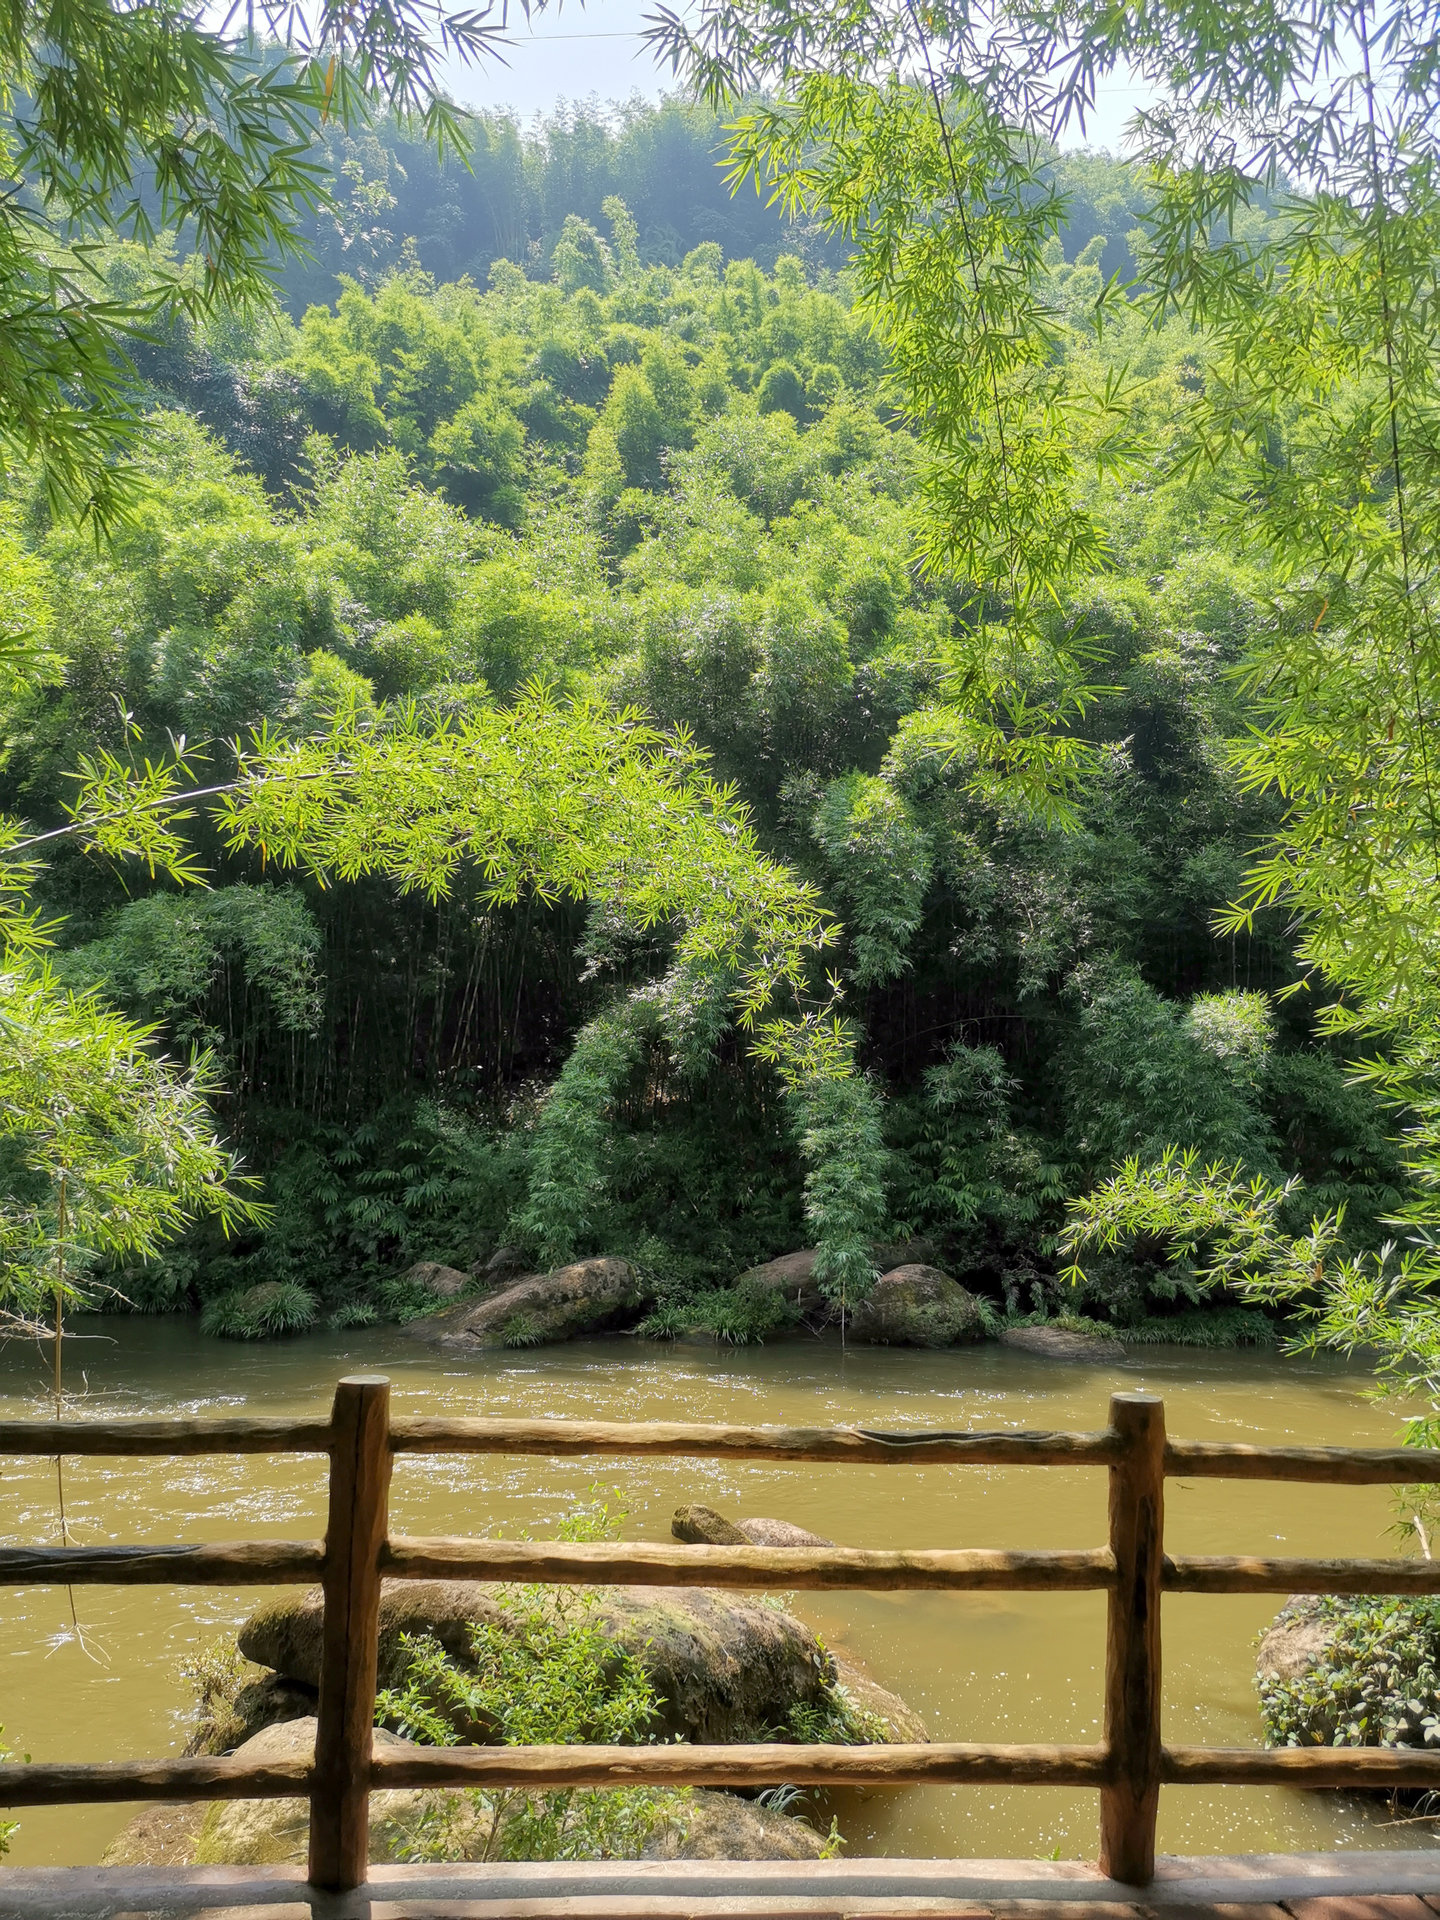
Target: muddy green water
{"points": [[980, 1667]]}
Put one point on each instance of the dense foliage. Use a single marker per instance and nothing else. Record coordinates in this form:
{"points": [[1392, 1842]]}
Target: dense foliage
{"points": [[1376, 1683], [424, 520]]}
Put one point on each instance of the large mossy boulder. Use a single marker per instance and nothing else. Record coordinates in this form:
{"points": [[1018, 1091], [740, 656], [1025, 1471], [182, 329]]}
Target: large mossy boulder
{"points": [[723, 1668], [792, 1277], [285, 1634], [917, 1306], [589, 1296], [703, 1527]]}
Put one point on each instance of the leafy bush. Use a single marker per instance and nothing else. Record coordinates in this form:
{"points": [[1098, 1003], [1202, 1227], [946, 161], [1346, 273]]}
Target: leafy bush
{"points": [[1376, 1685], [741, 1316]]}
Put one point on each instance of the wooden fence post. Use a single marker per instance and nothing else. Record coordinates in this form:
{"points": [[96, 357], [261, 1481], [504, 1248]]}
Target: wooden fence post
{"points": [[359, 1490], [1130, 1803]]}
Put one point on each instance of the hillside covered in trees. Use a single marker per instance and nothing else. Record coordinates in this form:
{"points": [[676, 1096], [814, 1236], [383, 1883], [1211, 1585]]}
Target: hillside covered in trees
{"points": [[579, 428]]}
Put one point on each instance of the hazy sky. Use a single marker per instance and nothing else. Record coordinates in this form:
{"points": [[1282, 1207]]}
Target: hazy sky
{"points": [[574, 53]]}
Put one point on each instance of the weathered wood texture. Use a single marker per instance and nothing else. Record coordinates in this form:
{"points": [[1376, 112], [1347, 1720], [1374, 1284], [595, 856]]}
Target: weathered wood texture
{"points": [[239, 1563], [354, 1537], [1243, 1887], [1338, 1466], [636, 1564], [1360, 1767], [1130, 1801], [768, 1765], [252, 1434], [438, 1433], [37, 1783], [1195, 1573]]}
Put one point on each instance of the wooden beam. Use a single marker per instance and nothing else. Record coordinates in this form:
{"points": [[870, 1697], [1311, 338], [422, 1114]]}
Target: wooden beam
{"points": [[1339, 1466], [44, 1783], [614, 1889], [1218, 1573], [236, 1563], [642, 1564], [441, 1433], [250, 1434], [767, 1765], [1130, 1801], [1360, 1768], [354, 1540]]}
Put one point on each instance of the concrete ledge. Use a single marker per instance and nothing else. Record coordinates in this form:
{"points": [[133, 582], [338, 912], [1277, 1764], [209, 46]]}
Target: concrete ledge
{"points": [[647, 1890]]}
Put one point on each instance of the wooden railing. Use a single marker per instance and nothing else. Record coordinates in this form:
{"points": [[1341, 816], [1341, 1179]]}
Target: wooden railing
{"points": [[1128, 1767]]}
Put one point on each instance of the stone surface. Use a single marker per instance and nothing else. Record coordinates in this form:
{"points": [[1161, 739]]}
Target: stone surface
{"points": [[1295, 1641], [763, 1532], [792, 1275], [285, 1633], [590, 1296], [444, 1283], [721, 1826], [704, 1527], [902, 1723], [257, 1833], [160, 1836], [258, 1699], [1054, 1343], [917, 1306], [725, 1668]]}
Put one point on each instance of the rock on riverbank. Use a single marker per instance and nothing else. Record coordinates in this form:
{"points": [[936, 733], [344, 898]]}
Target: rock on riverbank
{"points": [[589, 1296]]}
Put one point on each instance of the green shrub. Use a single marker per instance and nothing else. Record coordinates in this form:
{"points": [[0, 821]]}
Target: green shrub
{"points": [[1377, 1684]]}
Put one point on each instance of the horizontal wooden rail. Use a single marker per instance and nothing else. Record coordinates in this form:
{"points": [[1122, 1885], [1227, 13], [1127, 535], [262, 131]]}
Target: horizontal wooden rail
{"points": [[438, 1433], [637, 1564], [35, 1783], [256, 1434], [1218, 1573], [1363, 1769], [940, 1763], [240, 1563], [1334, 1466], [1128, 1767]]}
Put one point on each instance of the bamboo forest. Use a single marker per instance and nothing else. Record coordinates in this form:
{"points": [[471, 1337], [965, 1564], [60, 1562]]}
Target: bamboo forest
{"points": [[763, 754]]}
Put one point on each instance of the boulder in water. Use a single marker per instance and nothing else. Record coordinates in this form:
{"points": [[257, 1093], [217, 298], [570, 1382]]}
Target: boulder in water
{"points": [[286, 1633], [589, 1296], [1058, 1343], [917, 1306], [703, 1526], [723, 1668]]}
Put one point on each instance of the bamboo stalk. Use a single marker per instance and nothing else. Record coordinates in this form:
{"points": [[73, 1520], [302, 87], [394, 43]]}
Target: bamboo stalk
{"points": [[1219, 1573], [1130, 1801], [136, 1438], [235, 1563], [1338, 1466], [438, 1433], [939, 1763], [641, 1564], [354, 1539]]}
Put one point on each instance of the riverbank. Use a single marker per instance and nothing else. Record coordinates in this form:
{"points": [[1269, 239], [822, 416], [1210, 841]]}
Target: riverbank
{"points": [[1004, 1666]]}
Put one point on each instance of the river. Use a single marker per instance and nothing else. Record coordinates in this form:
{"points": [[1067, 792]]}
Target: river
{"points": [[979, 1666]]}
